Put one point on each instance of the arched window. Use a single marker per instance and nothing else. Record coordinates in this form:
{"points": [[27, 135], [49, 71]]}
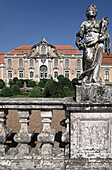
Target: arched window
{"points": [[78, 62], [43, 72], [31, 62], [56, 62], [66, 62], [43, 49], [9, 62], [106, 75], [20, 62]]}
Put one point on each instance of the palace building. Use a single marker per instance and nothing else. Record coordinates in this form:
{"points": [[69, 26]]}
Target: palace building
{"points": [[44, 60]]}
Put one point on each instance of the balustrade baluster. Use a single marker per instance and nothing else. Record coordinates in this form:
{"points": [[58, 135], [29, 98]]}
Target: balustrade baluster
{"points": [[23, 137], [47, 134], [65, 133], [4, 131]]}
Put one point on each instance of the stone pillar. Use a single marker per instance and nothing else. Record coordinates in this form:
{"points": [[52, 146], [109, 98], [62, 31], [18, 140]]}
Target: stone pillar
{"points": [[26, 68], [4, 131], [49, 67], [23, 137], [47, 134], [61, 66], [6, 79], [37, 70]]}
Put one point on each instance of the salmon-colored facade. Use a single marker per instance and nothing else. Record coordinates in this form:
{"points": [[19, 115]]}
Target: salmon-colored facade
{"points": [[44, 60]]}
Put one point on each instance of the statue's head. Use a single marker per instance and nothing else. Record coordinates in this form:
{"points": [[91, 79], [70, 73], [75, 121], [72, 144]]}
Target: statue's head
{"points": [[91, 11]]}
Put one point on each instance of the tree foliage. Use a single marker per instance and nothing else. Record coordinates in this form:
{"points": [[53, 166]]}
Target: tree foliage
{"points": [[36, 92], [6, 92], [15, 89]]}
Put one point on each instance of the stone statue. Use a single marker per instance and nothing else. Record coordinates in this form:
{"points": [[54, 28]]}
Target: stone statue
{"points": [[94, 33]]}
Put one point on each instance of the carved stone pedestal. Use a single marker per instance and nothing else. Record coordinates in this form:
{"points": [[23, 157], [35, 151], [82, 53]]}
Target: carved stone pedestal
{"points": [[23, 137], [93, 92], [47, 134]]}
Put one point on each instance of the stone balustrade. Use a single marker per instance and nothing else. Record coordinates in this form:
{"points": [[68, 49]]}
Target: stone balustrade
{"points": [[85, 141]]}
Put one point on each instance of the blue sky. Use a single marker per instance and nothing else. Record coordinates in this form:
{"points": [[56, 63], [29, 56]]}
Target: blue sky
{"points": [[26, 22]]}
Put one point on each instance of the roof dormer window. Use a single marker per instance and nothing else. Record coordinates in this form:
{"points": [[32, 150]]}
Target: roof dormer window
{"points": [[43, 49]]}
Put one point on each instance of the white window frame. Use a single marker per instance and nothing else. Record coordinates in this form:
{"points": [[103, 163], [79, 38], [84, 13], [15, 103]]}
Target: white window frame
{"points": [[77, 73], [9, 66], [30, 75], [8, 74], [31, 66], [78, 62], [68, 73], [19, 62], [68, 62], [106, 76], [56, 66], [41, 50], [54, 74], [22, 73]]}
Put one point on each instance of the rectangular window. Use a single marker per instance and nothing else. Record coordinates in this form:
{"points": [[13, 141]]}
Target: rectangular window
{"points": [[9, 62], [67, 74], [67, 62], [78, 73], [20, 74], [55, 75], [56, 62], [106, 77], [43, 49], [20, 62], [31, 74], [9, 74], [78, 62], [31, 62]]}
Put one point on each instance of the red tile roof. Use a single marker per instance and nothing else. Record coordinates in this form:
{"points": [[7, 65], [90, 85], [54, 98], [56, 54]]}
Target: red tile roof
{"points": [[106, 58], [67, 49], [1, 57], [21, 49]]}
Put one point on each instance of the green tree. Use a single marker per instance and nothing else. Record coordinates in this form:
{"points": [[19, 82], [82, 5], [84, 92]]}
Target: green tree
{"points": [[65, 82], [60, 77], [52, 89], [11, 82], [68, 92], [6, 92], [15, 79], [36, 92], [19, 83], [31, 83], [15, 89], [75, 82], [2, 84]]}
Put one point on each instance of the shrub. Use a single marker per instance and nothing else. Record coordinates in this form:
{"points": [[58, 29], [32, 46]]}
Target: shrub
{"points": [[36, 92], [52, 89], [6, 92], [15, 89], [65, 82], [31, 83], [60, 77], [11, 82], [19, 83], [42, 83], [15, 79], [75, 82], [68, 92], [2, 85]]}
